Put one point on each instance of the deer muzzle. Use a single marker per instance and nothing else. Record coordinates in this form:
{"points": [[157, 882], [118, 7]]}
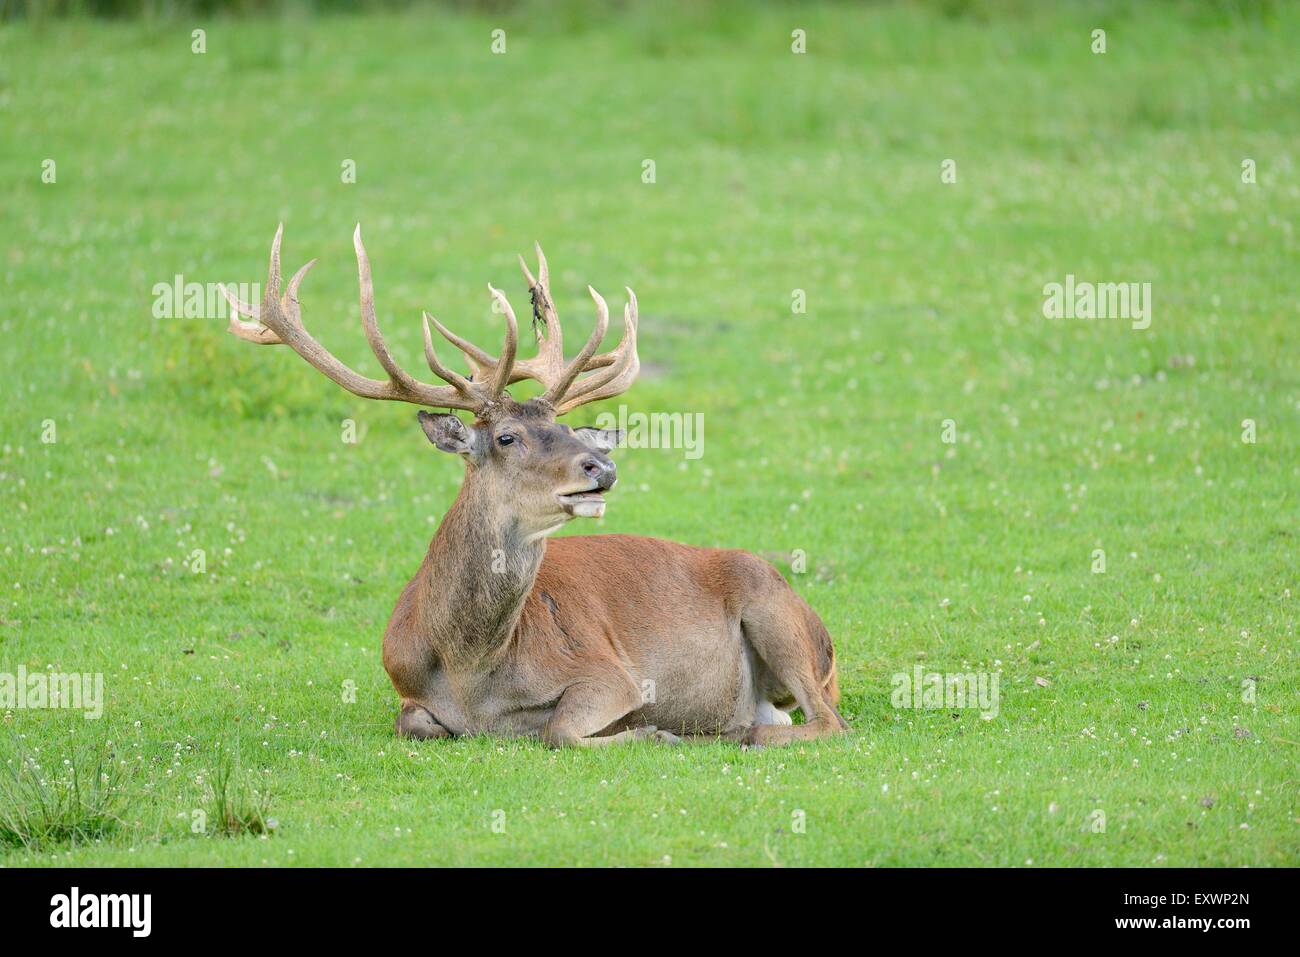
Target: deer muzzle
{"points": [[589, 502]]}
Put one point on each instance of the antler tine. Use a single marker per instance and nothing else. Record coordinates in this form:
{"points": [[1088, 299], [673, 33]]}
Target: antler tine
{"points": [[549, 360], [273, 273], [279, 322], [251, 331], [556, 389], [625, 364], [478, 359], [543, 271], [291, 294], [528, 275], [461, 384], [374, 337], [507, 361], [266, 320]]}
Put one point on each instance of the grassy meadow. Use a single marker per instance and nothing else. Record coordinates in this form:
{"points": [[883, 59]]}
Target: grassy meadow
{"points": [[941, 469]]}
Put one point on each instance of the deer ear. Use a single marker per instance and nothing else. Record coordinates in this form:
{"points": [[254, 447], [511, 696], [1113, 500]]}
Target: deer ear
{"points": [[447, 432], [602, 440]]}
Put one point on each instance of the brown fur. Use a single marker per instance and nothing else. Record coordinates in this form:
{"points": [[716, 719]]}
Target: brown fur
{"points": [[592, 640]]}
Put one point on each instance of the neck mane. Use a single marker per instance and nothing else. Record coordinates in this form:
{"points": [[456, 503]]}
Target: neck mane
{"points": [[479, 569]]}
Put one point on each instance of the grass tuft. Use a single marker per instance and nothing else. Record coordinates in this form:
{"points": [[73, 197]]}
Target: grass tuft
{"points": [[80, 803], [234, 808]]}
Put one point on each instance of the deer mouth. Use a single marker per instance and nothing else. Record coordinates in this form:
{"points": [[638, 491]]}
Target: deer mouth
{"points": [[587, 504]]}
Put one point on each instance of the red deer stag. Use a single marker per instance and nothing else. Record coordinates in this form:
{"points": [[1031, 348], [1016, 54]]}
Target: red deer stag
{"points": [[580, 641]]}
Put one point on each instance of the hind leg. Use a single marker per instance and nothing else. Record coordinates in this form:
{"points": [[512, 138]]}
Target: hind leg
{"points": [[774, 726], [794, 648]]}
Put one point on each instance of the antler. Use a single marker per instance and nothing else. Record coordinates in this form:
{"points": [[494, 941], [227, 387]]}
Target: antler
{"points": [[279, 321], [566, 386]]}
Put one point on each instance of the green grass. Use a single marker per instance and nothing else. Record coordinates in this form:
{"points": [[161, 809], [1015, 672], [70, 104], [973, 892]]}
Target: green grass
{"points": [[775, 172]]}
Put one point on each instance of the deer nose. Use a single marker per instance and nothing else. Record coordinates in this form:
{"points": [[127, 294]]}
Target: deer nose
{"points": [[602, 472]]}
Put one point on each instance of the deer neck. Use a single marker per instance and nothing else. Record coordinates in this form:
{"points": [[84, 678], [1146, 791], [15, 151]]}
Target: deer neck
{"points": [[480, 567]]}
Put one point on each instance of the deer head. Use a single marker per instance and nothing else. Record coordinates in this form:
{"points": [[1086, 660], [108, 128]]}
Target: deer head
{"points": [[520, 462]]}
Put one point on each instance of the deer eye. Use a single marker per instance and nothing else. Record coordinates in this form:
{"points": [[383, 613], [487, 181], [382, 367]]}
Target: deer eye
{"points": [[505, 439]]}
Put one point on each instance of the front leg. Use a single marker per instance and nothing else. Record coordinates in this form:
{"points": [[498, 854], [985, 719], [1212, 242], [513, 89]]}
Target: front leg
{"points": [[417, 721], [590, 706]]}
